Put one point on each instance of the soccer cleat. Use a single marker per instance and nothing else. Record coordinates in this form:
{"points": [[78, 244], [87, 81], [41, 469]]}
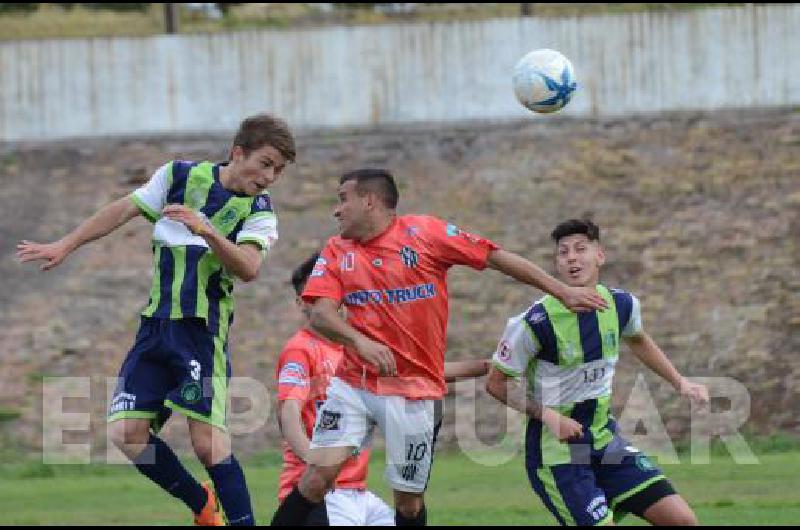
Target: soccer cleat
{"points": [[210, 514]]}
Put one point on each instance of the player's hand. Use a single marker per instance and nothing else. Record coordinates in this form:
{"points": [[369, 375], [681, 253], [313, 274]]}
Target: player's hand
{"points": [[580, 299], [694, 391], [51, 253], [563, 428], [378, 355], [196, 223]]}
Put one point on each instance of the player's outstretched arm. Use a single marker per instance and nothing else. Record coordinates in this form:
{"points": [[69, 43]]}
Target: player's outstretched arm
{"points": [[244, 260], [645, 348], [512, 393], [291, 425], [326, 320], [455, 370], [519, 268], [106, 220]]}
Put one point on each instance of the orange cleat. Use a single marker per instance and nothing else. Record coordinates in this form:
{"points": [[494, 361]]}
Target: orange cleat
{"points": [[210, 514]]}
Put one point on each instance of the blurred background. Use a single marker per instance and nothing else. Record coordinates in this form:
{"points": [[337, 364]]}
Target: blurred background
{"points": [[682, 143]]}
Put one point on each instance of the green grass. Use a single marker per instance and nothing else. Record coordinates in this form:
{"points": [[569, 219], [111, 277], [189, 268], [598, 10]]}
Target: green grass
{"points": [[461, 492], [54, 21]]}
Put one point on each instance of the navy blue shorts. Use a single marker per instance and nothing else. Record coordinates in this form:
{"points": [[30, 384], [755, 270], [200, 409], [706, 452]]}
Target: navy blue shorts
{"points": [[617, 479], [174, 365]]}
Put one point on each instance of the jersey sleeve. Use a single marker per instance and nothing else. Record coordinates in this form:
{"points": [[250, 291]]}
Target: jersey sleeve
{"points": [[294, 375], [261, 226], [516, 348], [633, 328], [454, 246], [324, 280], [152, 197]]}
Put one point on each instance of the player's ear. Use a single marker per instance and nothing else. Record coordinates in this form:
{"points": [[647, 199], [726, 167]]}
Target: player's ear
{"points": [[237, 153], [601, 256]]}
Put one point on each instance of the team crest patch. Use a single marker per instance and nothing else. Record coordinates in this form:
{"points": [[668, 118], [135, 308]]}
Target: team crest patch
{"points": [[409, 256], [228, 216], [329, 421], [348, 263], [191, 392], [644, 463]]}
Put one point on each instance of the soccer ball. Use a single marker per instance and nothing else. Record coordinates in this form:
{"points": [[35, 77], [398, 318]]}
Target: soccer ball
{"points": [[544, 81]]}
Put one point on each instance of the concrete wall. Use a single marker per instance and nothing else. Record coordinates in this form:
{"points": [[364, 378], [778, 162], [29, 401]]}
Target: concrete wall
{"points": [[354, 76]]}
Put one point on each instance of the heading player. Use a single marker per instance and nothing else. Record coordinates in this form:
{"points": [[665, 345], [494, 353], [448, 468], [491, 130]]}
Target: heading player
{"points": [[213, 223], [390, 272]]}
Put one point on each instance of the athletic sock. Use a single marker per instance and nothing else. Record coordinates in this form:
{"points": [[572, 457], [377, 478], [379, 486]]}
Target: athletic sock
{"points": [[420, 520], [294, 510], [232, 493], [161, 465]]}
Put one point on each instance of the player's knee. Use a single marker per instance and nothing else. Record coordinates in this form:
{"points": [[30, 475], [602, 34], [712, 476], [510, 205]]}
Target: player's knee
{"points": [[123, 434], [211, 448], [684, 518], [316, 482], [409, 507]]}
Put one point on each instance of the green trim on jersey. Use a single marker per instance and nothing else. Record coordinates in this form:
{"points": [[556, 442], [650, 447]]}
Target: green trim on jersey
{"points": [[601, 434], [206, 266], [198, 184], [149, 214], [631, 492], [505, 370], [193, 415], [131, 415], [155, 288], [260, 243], [179, 269], [566, 330], [219, 379], [608, 321], [555, 452]]}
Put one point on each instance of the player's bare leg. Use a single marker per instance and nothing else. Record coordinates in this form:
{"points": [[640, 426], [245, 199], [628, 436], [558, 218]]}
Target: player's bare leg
{"points": [[672, 510], [155, 460], [211, 444], [410, 508], [130, 436], [324, 464]]}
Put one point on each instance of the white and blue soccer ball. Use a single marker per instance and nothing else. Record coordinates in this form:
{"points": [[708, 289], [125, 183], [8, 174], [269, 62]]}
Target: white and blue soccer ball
{"points": [[544, 81]]}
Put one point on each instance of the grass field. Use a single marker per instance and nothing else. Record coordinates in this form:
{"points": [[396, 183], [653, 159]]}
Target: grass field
{"points": [[51, 20], [461, 492]]}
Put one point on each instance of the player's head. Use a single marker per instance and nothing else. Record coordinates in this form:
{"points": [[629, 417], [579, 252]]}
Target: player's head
{"points": [[262, 147], [579, 255], [299, 278], [366, 198]]}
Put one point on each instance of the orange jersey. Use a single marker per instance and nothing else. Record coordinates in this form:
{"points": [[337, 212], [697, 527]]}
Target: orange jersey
{"points": [[304, 370], [394, 287]]}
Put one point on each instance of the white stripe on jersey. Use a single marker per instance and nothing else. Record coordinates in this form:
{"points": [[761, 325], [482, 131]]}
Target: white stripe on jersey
{"points": [[561, 385], [175, 234]]}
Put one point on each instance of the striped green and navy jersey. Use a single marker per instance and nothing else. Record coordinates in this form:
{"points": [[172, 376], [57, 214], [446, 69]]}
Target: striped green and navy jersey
{"points": [[189, 280], [568, 360]]}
